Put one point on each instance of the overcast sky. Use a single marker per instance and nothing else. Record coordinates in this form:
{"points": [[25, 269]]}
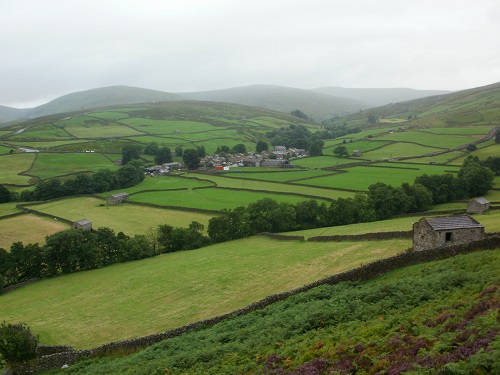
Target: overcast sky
{"points": [[49, 48]]}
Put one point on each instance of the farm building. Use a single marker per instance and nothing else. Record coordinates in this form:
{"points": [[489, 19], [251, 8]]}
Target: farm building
{"points": [[83, 224], [434, 232], [478, 205], [117, 198], [357, 153]]}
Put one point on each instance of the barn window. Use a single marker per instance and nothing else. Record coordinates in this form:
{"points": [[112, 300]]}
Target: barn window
{"points": [[448, 236]]}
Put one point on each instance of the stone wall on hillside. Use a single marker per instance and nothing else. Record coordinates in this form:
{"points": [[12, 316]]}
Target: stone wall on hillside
{"points": [[366, 272]]}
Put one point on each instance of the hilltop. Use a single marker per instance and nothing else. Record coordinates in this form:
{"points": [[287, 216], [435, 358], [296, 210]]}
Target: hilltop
{"points": [[476, 106], [376, 97], [319, 104]]}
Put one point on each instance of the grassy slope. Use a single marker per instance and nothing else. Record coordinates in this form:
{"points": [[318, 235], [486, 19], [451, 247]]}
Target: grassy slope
{"points": [[153, 295], [431, 313]]}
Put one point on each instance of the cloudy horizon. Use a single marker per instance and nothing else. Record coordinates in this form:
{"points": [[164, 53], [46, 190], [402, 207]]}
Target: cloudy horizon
{"points": [[55, 47]]}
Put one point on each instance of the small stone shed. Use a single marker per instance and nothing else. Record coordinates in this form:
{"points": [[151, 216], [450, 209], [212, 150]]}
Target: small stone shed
{"points": [[357, 153], [478, 205], [83, 224], [434, 232], [117, 198]]}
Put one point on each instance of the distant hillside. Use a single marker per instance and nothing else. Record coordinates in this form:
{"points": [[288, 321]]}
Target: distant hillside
{"points": [[283, 99], [101, 97], [477, 106], [89, 99], [377, 97], [10, 114]]}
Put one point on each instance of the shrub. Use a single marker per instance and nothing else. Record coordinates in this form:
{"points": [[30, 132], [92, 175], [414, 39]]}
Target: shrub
{"points": [[17, 343]]}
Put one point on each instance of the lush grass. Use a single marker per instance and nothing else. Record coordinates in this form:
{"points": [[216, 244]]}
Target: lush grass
{"points": [[44, 132], [361, 177], [163, 127], [12, 165], [433, 140], [273, 186], [277, 175], [109, 115], [430, 314], [472, 130], [8, 208], [211, 199], [5, 149], [138, 298], [41, 145], [108, 130], [448, 157], [492, 150], [51, 165], [362, 145], [27, 229], [397, 150], [162, 183], [319, 162], [128, 218]]}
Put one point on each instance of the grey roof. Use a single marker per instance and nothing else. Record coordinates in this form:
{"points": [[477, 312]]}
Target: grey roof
{"points": [[482, 200], [119, 195], [453, 222], [84, 221]]}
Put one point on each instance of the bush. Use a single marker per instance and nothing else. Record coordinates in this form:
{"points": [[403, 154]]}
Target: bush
{"points": [[17, 343]]}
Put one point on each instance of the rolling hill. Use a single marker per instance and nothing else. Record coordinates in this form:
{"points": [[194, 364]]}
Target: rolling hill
{"points": [[376, 97], [318, 106], [95, 98], [476, 106]]}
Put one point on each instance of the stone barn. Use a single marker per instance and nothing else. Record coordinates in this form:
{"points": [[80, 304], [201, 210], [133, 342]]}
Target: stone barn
{"points": [[117, 198], [478, 205], [83, 224], [434, 232]]}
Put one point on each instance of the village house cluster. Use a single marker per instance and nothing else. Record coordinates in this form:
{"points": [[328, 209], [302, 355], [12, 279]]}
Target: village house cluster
{"points": [[278, 158]]}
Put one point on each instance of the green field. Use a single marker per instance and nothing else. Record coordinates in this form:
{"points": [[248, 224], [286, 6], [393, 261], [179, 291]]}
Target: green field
{"points": [[110, 130], [164, 127], [361, 177], [398, 150], [57, 164], [212, 198], [126, 218], [320, 161], [8, 208], [273, 186], [12, 165], [472, 130], [133, 299], [28, 229], [433, 140], [277, 175]]}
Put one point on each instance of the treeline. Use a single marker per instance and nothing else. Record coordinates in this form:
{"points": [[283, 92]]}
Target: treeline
{"points": [[72, 250], [297, 136], [100, 182]]}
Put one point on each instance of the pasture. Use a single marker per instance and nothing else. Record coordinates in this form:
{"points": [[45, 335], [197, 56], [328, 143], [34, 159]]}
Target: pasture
{"points": [[164, 127], [276, 187], [12, 165], [8, 208], [398, 150], [360, 177], [98, 130], [28, 228], [127, 218], [433, 139], [49, 165], [133, 299], [277, 175], [212, 198]]}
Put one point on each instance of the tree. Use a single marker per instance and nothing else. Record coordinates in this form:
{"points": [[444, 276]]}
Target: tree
{"points": [[471, 147], [151, 149], [105, 180], [130, 152], [316, 147], [298, 113], [341, 151], [372, 119], [261, 146], [178, 151], [388, 201], [17, 343], [191, 158], [129, 175], [164, 155], [240, 148], [4, 194], [201, 151]]}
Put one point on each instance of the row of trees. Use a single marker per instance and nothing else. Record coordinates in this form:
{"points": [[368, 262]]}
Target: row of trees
{"points": [[100, 182], [297, 136], [162, 153]]}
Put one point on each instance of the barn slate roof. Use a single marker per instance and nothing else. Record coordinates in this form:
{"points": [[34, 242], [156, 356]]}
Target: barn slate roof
{"points": [[83, 221], [482, 200], [453, 222]]}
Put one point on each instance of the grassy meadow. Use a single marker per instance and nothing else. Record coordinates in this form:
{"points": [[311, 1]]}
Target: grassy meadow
{"points": [[127, 300], [12, 165], [126, 218], [27, 228]]}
